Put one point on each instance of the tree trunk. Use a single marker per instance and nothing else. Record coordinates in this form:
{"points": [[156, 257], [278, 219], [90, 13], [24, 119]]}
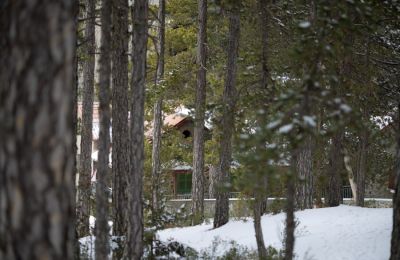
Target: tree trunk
{"points": [[334, 195], [156, 163], [350, 173], [212, 175], [134, 246], [103, 170], [304, 183], [120, 127], [75, 122], [198, 143], [261, 198], [85, 161], [361, 169], [36, 132], [229, 100], [258, 211], [290, 221], [395, 243]]}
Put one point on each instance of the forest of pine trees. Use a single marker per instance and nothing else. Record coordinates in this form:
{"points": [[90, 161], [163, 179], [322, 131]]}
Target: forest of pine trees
{"points": [[292, 99]]}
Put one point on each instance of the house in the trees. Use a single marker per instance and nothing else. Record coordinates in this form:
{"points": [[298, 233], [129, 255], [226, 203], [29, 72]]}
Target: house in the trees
{"points": [[179, 172]]}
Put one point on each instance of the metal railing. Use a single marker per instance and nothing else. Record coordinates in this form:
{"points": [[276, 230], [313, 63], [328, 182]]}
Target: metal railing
{"points": [[188, 196], [346, 194]]}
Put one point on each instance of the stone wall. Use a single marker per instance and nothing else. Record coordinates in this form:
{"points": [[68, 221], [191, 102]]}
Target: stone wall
{"points": [[239, 208]]}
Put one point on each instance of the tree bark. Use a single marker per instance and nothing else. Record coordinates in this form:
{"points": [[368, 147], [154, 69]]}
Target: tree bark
{"points": [[75, 81], [257, 212], [103, 170], [221, 216], [212, 175], [120, 127], [134, 248], [334, 195], [304, 182], [156, 160], [37, 204], [200, 103], [350, 173], [395, 242], [290, 221], [261, 198], [361, 169], [85, 162]]}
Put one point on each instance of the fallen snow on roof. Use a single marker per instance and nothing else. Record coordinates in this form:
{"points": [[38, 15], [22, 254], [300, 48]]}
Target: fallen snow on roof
{"points": [[343, 232]]}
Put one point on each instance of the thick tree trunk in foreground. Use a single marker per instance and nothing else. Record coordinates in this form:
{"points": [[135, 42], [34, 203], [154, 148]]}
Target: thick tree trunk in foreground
{"points": [[395, 243], [134, 245], [85, 166], [333, 193], [37, 206], [304, 183], [221, 216], [120, 127], [198, 142], [155, 158], [103, 170]]}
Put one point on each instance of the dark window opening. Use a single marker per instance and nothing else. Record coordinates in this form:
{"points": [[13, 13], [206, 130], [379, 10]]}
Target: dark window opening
{"points": [[186, 133], [184, 183]]}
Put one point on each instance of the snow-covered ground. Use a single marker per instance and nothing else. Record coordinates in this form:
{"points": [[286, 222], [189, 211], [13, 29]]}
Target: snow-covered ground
{"points": [[343, 232]]}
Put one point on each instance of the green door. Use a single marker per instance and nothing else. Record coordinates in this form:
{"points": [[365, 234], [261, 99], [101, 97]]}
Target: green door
{"points": [[184, 183]]}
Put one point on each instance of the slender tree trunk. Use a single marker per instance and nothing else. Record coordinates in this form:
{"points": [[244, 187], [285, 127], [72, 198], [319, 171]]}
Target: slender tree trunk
{"points": [[257, 212], [304, 183], [261, 198], [156, 160], [75, 121], [198, 143], [85, 161], [36, 132], [212, 175], [134, 247], [350, 173], [395, 243], [221, 216], [120, 127], [334, 195], [361, 169], [290, 221], [103, 170]]}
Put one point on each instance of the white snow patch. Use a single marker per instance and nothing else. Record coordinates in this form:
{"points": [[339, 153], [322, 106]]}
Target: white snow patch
{"points": [[310, 120], [285, 129], [343, 232]]}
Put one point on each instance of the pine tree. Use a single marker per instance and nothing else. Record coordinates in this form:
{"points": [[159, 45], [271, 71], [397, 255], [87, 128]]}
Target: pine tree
{"points": [[120, 127], [221, 216], [134, 245], [102, 246], [85, 169], [200, 100], [36, 132], [156, 160]]}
